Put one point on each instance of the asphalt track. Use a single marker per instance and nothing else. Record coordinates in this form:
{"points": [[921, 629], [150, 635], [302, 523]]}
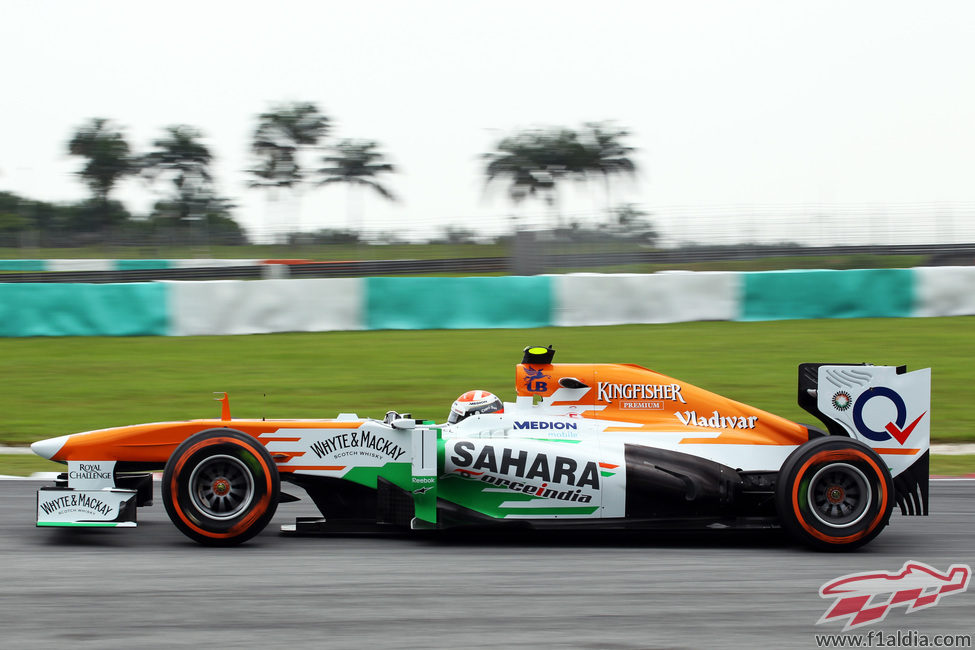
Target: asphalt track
{"points": [[151, 587]]}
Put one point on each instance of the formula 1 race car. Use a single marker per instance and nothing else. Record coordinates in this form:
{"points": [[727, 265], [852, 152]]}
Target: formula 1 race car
{"points": [[582, 445]]}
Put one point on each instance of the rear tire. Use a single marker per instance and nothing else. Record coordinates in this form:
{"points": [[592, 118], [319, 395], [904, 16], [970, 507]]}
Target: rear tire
{"points": [[221, 487], [834, 493]]}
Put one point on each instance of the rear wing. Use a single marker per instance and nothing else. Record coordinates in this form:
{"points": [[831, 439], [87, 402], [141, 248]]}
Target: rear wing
{"points": [[885, 407]]}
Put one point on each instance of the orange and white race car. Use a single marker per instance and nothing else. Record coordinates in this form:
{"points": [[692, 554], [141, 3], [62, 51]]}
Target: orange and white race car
{"points": [[582, 445]]}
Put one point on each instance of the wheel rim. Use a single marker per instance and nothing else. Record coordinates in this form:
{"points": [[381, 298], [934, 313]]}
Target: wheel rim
{"points": [[221, 487], [839, 495]]}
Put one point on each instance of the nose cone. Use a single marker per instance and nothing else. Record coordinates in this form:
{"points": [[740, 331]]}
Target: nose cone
{"points": [[47, 448]]}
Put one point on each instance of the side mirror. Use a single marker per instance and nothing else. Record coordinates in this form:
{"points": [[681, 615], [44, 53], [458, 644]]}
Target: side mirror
{"points": [[403, 423], [392, 416]]}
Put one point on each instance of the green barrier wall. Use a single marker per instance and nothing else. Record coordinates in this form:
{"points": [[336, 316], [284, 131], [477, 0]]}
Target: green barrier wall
{"points": [[23, 265], [456, 303], [61, 309], [137, 265], [871, 293]]}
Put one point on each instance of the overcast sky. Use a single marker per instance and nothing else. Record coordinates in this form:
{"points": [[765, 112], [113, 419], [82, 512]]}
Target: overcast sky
{"points": [[729, 103]]}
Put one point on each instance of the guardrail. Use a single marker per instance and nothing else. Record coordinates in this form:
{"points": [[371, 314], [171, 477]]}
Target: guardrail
{"points": [[527, 261]]}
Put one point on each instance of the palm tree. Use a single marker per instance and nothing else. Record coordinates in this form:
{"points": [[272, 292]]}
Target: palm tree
{"points": [[279, 138], [108, 156], [180, 156], [604, 154], [517, 159], [534, 161], [280, 135], [356, 163]]}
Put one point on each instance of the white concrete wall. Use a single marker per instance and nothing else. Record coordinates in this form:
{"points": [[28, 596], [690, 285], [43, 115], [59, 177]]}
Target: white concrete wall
{"points": [[944, 291], [668, 297], [265, 306]]}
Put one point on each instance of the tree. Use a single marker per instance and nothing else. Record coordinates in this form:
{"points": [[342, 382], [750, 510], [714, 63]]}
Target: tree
{"points": [[13, 221], [455, 235], [58, 224], [280, 135], [109, 159], [93, 216], [603, 153], [630, 222], [212, 222], [181, 157], [534, 161], [518, 158], [356, 163]]}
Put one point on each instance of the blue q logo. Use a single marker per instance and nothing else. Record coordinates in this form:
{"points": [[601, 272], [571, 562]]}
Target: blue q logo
{"points": [[533, 380], [893, 429]]}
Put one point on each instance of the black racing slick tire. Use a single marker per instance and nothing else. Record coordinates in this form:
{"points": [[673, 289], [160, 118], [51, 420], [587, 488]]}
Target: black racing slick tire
{"points": [[221, 487], [834, 493]]}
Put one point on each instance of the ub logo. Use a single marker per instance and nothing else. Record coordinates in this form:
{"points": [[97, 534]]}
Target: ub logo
{"points": [[533, 380]]}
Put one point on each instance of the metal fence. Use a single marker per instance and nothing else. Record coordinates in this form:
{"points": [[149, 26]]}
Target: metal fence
{"points": [[527, 258], [675, 226]]}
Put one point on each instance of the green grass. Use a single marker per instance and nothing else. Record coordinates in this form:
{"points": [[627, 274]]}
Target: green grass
{"points": [[54, 386], [811, 262], [952, 465], [25, 465], [765, 264], [256, 251]]}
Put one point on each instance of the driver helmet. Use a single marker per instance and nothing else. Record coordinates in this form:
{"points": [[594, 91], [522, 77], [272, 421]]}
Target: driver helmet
{"points": [[472, 402]]}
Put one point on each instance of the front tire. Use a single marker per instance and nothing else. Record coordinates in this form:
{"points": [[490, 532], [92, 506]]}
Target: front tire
{"points": [[834, 493], [221, 487]]}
